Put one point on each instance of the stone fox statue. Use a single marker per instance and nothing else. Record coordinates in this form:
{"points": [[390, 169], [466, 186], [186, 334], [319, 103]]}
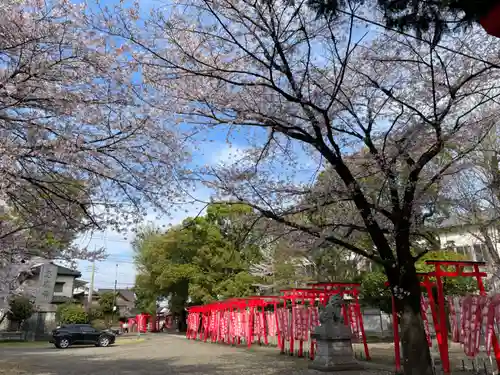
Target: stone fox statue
{"points": [[332, 313]]}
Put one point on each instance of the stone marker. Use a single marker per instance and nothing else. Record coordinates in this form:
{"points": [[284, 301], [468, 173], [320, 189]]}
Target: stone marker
{"points": [[334, 341]]}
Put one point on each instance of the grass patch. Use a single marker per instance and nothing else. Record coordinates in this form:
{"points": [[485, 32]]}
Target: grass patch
{"points": [[130, 341], [23, 344]]}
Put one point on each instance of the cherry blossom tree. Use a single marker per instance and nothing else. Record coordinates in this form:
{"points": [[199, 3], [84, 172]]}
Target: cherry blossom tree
{"points": [[379, 110], [80, 149], [473, 198]]}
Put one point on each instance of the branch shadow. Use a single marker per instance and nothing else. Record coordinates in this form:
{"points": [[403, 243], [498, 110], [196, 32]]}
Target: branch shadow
{"points": [[178, 361]]}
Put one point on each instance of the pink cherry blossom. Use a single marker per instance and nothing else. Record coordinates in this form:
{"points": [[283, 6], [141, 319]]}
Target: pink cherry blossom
{"points": [[80, 147]]}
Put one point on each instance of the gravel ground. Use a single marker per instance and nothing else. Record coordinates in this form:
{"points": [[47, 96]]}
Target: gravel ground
{"points": [[162, 354]]}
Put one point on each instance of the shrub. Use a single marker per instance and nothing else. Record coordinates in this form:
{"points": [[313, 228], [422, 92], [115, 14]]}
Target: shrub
{"points": [[69, 313], [20, 309], [98, 324]]}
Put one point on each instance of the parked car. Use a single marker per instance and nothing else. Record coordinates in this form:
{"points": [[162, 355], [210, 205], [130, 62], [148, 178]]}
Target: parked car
{"points": [[80, 334], [115, 332]]}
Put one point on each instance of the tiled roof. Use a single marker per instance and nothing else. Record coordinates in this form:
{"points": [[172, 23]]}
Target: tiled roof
{"points": [[127, 294], [62, 299], [63, 271]]}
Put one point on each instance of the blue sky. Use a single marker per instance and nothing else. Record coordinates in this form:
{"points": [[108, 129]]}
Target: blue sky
{"points": [[118, 245]]}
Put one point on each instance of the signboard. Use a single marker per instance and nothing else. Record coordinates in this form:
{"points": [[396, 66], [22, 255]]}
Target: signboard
{"points": [[47, 281]]}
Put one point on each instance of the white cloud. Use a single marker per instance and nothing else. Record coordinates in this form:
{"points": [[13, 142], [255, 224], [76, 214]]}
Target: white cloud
{"points": [[228, 154], [119, 250]]}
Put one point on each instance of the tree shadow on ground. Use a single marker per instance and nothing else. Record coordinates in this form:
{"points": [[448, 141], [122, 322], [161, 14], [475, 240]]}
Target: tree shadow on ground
{"points": [[75, 361]]}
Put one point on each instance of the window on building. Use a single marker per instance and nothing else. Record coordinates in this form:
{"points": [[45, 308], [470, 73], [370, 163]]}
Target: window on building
{"points": [[462, 250], [479, 253], [486, 254], [58, 288]]}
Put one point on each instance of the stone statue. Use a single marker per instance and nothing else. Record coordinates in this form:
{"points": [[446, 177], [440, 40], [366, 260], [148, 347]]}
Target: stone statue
{"points": [[333, 338], [332, 313]]}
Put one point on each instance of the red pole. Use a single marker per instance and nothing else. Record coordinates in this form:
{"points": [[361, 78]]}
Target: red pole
{"points": [[395, 329], [266, 329], [250, 327], [239, 336], [494, 339], [215, 332], [256, 316], [443, 334], [221, 319], [200, 334], [311, 349], [233, 319], [228, 326], [361, 325], [291, 326], [207, 327], [432, 303], [277, 325]]}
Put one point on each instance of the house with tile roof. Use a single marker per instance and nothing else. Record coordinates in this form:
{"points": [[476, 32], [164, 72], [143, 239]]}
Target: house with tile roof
{"points": [[50, 285], [53, 284], [125, 301]]}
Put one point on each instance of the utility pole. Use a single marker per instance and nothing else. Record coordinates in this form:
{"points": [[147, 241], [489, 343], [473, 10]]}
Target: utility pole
{"points": [[91, 289], [114, 294]]}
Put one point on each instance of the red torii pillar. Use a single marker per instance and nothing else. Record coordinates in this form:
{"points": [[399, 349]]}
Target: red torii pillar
{"points": [[439, 273], [439, 317]]}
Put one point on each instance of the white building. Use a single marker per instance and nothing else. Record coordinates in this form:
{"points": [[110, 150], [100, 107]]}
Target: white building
{"points": [[468, 240]]}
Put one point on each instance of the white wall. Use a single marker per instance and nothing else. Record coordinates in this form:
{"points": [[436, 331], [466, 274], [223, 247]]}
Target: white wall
{"points": [[471, 240], [67, 287]]}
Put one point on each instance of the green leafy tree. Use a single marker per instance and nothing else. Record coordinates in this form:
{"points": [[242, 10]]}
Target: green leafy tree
{"points": [[145, 296], [106, 302], [70, 313], [374, 292], [205, 259], [20, 309], [95, 314]]}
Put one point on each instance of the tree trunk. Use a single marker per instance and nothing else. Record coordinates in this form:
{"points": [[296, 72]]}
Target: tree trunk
{"points": [[416, 354], [490, 246], [3, 315]]}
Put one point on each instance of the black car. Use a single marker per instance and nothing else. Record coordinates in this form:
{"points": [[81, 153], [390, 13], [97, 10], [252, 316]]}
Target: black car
{"points": [[80, 334]]}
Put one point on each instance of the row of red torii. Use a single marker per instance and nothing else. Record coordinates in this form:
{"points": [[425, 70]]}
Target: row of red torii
{"points": [[290, 317], [294, 315]]}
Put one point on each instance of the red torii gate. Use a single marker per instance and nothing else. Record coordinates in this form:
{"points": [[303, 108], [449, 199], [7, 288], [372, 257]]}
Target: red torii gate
{"points": [[322, 292], [243, 303], [490, 21], [459, 271], [440, 320]]}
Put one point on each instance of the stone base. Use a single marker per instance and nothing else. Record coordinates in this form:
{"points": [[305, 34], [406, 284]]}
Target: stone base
{"points": [[347, 366], [334, 350]]}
